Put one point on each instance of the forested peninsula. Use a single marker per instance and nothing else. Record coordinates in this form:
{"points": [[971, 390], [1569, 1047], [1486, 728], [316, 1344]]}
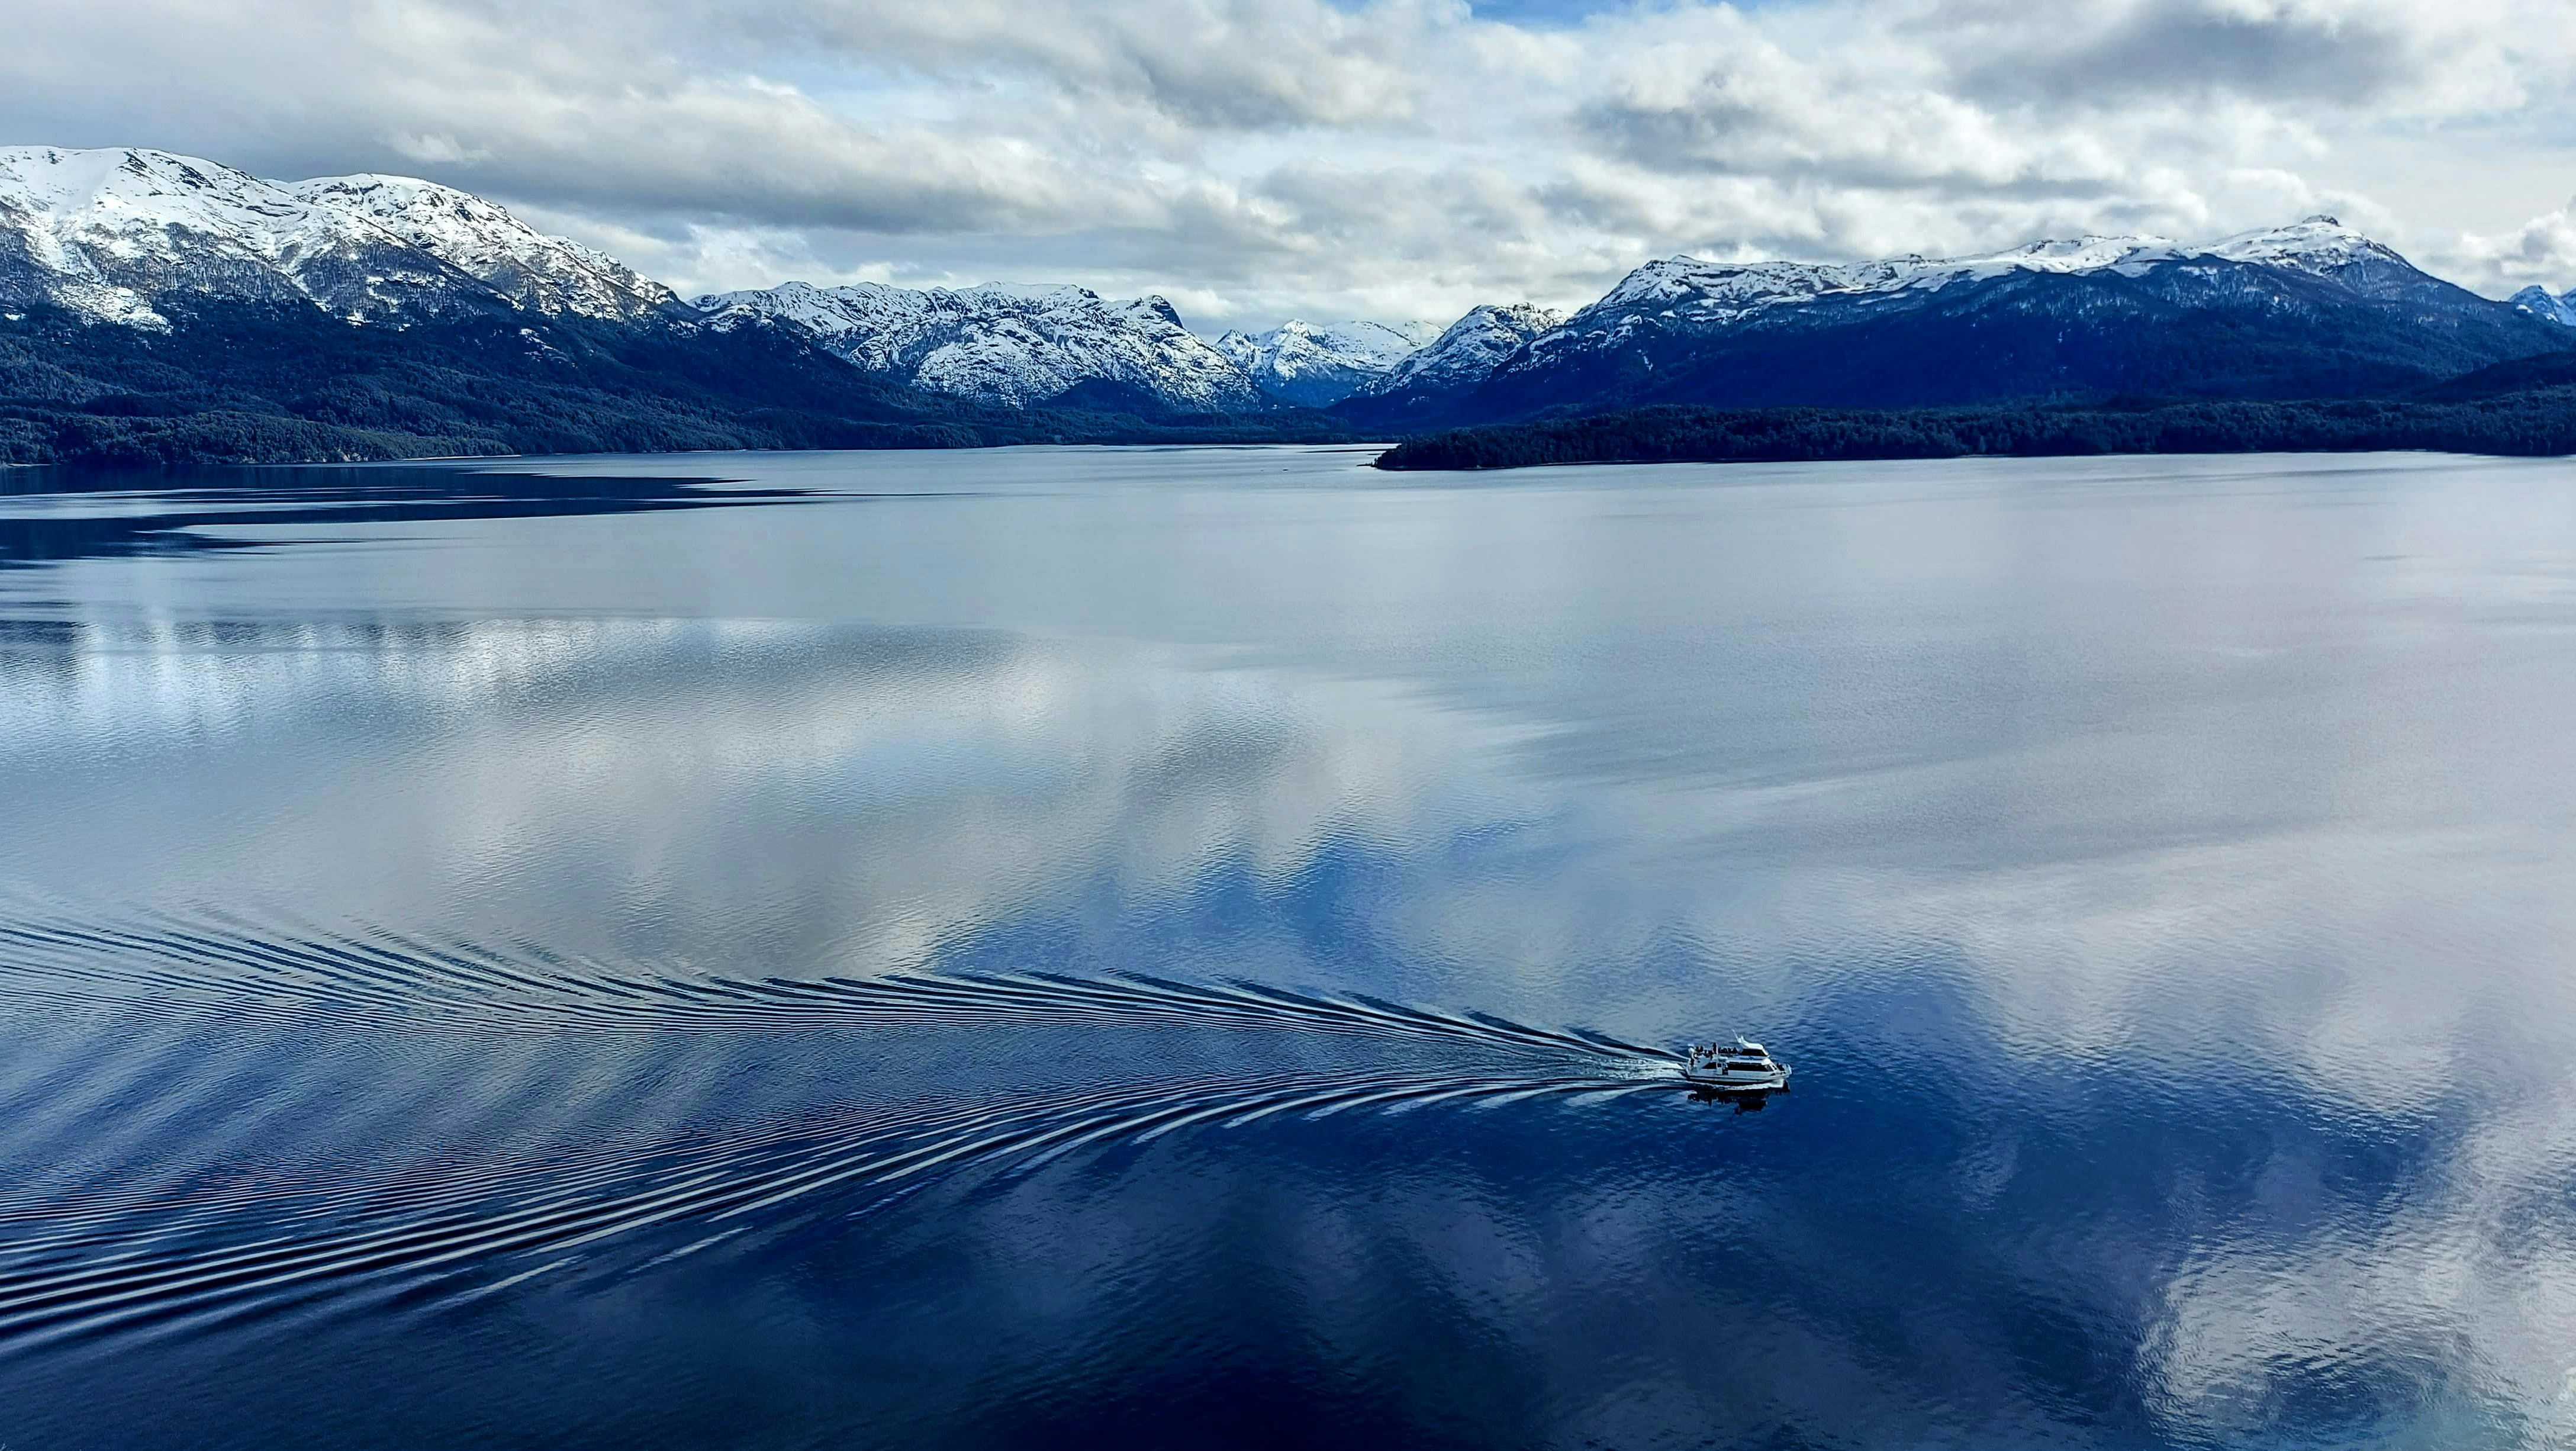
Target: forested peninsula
{"points": [[2475, 415]]}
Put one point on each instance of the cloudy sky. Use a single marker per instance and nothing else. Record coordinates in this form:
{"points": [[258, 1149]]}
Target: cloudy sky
{"points": [[1254, 159]]}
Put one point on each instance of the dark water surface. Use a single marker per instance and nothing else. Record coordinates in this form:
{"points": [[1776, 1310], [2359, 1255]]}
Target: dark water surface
{"points": [[1181, 948]]}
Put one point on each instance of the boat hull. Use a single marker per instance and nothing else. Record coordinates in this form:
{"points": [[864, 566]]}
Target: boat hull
{"points": [[1722, 1083]]}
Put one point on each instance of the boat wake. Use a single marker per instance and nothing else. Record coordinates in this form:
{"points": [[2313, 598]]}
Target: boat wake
{"points": [[167, 1257], [375, 979], [86, 1268]]}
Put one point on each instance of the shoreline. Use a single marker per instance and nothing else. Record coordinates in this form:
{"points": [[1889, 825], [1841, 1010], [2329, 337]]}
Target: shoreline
{"points": [[2532, 423]]}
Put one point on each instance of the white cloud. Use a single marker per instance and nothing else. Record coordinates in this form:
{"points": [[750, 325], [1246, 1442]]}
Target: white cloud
{"points": [[1402, 158], [2542, 251], [437, 150]]}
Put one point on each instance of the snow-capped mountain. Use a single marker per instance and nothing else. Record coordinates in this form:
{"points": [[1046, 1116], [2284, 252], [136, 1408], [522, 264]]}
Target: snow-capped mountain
{"points": [[545, 274], [2311, 309], [108, 233], [2537, 301], [1712, 293], [142, 237], [111, 233], [149, 239], [1003, 344], [1315, 363], [1472, 347]]}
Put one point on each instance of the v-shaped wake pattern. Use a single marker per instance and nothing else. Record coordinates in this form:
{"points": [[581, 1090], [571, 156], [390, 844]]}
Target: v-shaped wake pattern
{"points": [[381, 979], [86, 1268]]}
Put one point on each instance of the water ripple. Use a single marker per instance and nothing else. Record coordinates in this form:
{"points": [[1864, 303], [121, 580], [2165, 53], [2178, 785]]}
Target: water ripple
{"points": [[76, 1270], [378, 979], [182, 1250]]}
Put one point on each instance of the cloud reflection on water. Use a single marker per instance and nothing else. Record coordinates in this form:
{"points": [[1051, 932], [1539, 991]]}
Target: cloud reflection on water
{"points": [[2095, 909]]}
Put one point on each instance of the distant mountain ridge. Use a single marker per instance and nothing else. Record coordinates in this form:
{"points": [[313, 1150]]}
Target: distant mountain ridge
{"points": [[1018, 346], [2536, 301], [109, 234], [228, 271], [1464, 355], [104, 233], [551, 275], [162, 308], [1313, 364], [2311, 309]]}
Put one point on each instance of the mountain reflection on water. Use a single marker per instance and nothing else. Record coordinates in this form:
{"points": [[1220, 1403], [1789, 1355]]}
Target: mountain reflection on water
{"points": [[49, 516], [1184, 946]]}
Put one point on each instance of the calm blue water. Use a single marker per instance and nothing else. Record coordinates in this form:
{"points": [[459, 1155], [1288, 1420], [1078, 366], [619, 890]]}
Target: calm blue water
{"points": [[1180, 948]]}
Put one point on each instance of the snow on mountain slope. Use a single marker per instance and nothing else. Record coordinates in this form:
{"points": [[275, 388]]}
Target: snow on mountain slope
{"points": [[108, 232], [1002, 344], [2312, 309], [2319, 244], [545, 274], [1689, 294], [1719, 292], [2323, 247], [142, 237], [1470, 348], [1313, 364], [2537, 301]]}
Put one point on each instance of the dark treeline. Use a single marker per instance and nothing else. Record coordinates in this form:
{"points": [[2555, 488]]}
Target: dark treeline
{"points": [[244, 383], [231, 384], [2534, 422]]}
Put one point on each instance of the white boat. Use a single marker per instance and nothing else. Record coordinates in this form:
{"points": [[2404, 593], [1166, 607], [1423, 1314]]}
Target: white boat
{"points": [[1743, 1068]]}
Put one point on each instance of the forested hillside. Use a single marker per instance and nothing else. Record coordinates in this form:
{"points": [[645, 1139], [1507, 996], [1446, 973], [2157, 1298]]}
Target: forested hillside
{"points": [[251, 383], [2539, 422]]}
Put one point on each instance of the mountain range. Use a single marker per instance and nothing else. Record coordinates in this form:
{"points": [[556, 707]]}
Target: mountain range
{"points": [[2537, 302], [106, 233], [1320, 364], [2313, 309], [155, 305], [1019, 346]]}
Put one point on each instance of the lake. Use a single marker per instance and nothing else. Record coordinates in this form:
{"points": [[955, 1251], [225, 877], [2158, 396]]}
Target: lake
{"points": [[1185, 948]]}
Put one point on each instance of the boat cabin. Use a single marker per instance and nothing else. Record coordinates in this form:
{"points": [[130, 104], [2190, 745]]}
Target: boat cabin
{"points": [[1746, 1065]]}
